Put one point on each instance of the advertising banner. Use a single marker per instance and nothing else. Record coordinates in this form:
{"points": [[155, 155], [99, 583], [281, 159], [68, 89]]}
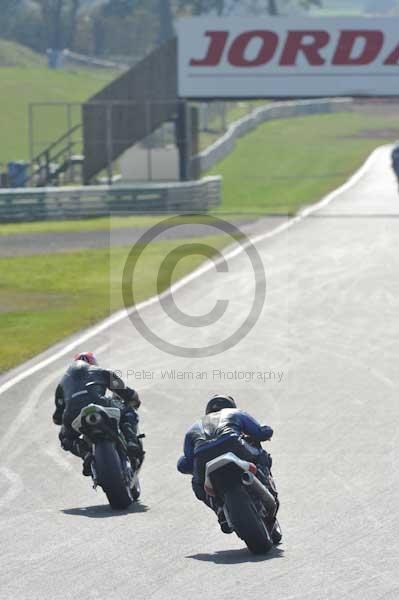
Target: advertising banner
{"points": [[286, 58]]}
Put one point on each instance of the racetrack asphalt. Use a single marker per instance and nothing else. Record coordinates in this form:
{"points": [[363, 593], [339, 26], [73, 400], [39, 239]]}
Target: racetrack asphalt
{"points": [[320, 366], [28, 244]]}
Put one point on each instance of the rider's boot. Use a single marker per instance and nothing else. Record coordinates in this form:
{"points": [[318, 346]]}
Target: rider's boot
{"points": [[218, 509], [87, 460], [224, 525], [134, 446]]}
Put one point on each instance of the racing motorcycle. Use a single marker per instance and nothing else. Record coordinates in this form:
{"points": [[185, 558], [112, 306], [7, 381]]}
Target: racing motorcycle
{"points": [[250, 508], [111, 467]]}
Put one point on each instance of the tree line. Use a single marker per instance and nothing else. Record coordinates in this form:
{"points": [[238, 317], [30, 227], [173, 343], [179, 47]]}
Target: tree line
{"points": [[116, 27]]}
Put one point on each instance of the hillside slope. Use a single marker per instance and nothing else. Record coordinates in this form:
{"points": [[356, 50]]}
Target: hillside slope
{"points": [[15, 55], [21, 86]]}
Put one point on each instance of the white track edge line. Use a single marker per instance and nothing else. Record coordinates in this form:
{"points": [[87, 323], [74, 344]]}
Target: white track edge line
{"points": [[122, 314]]}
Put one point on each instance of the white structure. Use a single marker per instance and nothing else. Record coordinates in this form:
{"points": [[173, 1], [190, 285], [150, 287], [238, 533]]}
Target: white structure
{"points": [[295, 57]]}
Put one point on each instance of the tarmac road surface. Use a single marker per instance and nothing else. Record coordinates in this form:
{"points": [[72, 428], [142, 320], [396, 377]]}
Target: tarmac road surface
{"points": [[24, 244], [320, 366]]}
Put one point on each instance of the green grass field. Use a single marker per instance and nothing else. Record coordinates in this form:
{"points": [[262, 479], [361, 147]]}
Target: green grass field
{"points": [[21, 85], [45, 298], [286, 164]]}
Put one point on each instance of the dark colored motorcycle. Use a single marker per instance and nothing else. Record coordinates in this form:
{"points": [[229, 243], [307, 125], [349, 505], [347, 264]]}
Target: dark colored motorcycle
{"points": [[111, 467]]}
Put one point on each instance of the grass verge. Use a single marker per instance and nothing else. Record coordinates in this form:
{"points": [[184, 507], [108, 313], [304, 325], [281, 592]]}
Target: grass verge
{"points": [[286, 164], [46, 298]]}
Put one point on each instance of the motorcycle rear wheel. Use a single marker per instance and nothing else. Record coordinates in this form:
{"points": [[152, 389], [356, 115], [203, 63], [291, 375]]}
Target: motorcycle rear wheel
{"points": [[246, 522], [110, 475]]}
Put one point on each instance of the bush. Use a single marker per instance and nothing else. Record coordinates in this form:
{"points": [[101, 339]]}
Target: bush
{"points": [[129, 36], [28, 29]]}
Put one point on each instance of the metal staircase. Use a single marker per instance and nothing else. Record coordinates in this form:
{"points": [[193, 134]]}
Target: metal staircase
{"points": [[59, 161], [122, 114]]}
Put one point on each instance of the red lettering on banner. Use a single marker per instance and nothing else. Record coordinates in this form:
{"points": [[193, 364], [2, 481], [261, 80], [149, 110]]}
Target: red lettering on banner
{"points": [[354, 48], [374, 41], [393, 58], [236, 56], [215, 50], [296, 44]]}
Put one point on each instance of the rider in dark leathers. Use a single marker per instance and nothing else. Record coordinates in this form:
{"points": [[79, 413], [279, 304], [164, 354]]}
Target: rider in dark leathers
{"points": [[220, 431], [85, 383]]}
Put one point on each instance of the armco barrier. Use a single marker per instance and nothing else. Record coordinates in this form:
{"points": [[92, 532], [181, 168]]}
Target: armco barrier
{"points": [[96, 201], [278, 110]]}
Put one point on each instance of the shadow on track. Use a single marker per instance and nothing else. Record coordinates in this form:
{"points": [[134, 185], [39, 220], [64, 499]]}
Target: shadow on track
{"points": [[104, 511], [235, 557]]}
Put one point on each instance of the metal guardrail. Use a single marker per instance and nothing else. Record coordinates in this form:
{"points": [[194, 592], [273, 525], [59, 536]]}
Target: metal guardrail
{"points": [[278, 110], [30, 204], [55, 203], [90, 61]]}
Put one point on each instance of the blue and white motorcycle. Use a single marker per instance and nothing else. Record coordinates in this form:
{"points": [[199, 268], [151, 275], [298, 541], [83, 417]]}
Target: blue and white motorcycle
{"points": [[249, 506]]}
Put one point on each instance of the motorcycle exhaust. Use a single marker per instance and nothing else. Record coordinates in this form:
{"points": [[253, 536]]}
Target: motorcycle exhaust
{"points": [[249, 479], [94, 419]]}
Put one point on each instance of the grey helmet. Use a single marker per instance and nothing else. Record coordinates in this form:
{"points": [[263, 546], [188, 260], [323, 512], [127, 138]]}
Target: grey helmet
{"points": [[219, 402]]}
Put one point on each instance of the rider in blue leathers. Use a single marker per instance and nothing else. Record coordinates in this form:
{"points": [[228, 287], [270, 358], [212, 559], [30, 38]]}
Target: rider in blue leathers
{"points": [[220, 431]]}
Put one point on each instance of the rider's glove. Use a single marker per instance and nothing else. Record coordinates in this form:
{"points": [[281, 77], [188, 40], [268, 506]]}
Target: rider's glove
{"points": [[57, 417], [184, 466], [267, 433], [132, 398]]}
